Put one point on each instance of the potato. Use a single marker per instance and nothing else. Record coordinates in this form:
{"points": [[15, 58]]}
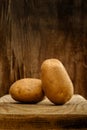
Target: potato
{"points": [[56, 81], [27, 90]]}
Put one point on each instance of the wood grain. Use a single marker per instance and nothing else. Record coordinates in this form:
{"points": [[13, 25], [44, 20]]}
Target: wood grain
{"points": [[32, 31], [44, 115]]}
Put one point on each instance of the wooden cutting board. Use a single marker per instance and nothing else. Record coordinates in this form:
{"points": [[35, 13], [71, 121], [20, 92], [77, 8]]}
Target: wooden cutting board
{"points": [[44, 115]]}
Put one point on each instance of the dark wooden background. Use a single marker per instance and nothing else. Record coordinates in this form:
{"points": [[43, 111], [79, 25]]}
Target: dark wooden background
{"points": [[34, 30]]}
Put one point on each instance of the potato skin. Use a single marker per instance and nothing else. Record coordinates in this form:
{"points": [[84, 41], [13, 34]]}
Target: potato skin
{"points": [[56, 81], [27, 90]]}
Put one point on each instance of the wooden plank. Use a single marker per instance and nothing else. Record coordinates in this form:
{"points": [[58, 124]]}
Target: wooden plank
{"points": [[44, 115]]}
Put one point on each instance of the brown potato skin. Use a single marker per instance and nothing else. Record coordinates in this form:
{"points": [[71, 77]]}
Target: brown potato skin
{"points": [[27, 90], [56, 81]]}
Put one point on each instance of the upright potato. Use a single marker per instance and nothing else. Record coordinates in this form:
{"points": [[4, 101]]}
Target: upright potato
{"points": [[27, 90], [56, 82]]}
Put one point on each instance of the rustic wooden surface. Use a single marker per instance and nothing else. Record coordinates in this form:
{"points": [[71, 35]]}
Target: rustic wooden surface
{"points": [[44, 115], [32, 31]]}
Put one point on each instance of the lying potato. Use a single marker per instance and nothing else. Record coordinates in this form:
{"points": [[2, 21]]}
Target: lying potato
{"points": [[56, 82], [27, 90]]}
